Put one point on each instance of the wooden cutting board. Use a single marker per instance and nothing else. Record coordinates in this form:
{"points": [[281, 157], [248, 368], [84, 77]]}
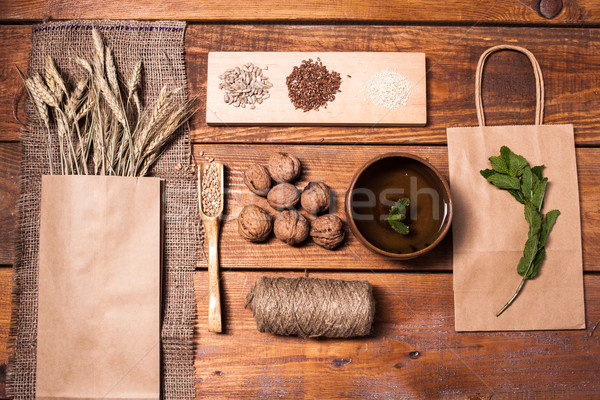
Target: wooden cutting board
{"points": [[350, 106]]}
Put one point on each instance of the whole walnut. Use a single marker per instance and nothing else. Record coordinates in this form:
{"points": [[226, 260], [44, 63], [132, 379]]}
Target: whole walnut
{"points": [[291, 227], [254, 223], [284, 167], [283, 196], [315, 197], [327, 231], [257, 179]]}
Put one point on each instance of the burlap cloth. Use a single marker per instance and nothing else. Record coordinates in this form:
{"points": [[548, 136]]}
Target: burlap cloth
{"points": [[159, 45]]}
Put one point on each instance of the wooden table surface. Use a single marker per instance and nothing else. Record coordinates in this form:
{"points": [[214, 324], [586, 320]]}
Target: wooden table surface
{"points": [[414, 351]]}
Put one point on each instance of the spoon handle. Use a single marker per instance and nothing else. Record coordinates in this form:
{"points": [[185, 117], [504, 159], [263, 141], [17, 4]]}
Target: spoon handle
{"points": [[211, 227]]}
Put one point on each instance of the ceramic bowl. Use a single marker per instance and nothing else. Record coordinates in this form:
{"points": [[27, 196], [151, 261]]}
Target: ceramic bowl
{"points": [[377, 186]]}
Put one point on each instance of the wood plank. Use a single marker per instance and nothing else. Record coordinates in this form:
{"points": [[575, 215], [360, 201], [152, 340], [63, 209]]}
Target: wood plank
{"points": [[15, 45], [457, 11], [5, 311], [10, 161], [335, 165], [414, 351], [350, 107], [568, 57]]}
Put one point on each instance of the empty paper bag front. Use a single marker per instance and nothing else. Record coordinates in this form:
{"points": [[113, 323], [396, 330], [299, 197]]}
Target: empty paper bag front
{"points": [[489, 229], [99, 288]]}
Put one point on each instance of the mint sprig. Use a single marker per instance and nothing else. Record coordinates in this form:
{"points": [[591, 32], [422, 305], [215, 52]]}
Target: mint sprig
{"points": [[511, 172], [397, 215]]}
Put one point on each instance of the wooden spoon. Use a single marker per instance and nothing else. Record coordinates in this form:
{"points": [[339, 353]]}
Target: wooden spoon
{"points": [[212, 224]]}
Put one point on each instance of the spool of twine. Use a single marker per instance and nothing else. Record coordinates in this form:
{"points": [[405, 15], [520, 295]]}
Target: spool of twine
{"points": [[311, 307]]}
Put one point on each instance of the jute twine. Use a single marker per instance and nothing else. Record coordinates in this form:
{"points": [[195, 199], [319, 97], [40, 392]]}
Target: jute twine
{"points": [[311, 307], [159, 45]]}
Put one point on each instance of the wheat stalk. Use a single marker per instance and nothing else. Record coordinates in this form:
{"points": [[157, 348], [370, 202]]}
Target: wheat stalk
{"points": [[134, 82], [54, 80], [74, 100], [177, 117], [99, 45], [95, 120], [44, 92], [86, 65], [111, 72], [42, 111]]}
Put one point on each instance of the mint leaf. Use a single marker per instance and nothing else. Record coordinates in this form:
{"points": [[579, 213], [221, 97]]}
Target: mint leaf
{"points": [[522, 266], [399, 227], [400, 206], [537, 199], [547, 225], [531, 247], [535, 267], [517, 194], [533, 217], [504, 181], [516, 164], [486, 173], [397, 214], [396, 217], [498, 164], [537, 171], [505, 153], [527, 183]]}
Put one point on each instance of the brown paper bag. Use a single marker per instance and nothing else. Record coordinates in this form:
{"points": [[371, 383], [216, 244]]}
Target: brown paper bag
{"points": [[489, 229], [99, 288]]}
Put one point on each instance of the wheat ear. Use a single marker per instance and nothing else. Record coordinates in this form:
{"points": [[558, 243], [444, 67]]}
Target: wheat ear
{"points": [[111, 72], [99, 45], [44, 91], [42, 111], [58, 86]]}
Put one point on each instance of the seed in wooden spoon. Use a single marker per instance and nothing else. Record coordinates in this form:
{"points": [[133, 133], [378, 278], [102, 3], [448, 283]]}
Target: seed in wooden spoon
{"points": [[211, 190]]}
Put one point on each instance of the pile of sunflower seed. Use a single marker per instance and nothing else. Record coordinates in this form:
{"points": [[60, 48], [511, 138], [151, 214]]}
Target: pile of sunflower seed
{"points": [[245, 86]]}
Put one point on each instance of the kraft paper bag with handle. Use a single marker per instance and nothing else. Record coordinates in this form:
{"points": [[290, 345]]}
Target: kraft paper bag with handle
{"points": [[99, 288], [489, 229]]}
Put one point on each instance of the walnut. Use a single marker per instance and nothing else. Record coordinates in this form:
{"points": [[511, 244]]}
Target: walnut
{"points": [[254, 223], [284, 167], [283, 196], [257, 179], [327, 231], [291, 227], [315, 197]]}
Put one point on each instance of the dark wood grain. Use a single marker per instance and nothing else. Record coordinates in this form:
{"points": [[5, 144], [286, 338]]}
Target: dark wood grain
{"points": [[413, 353], [15, 44], [10, 161], [335, 165], [418, 11], [568, 57], [5, 310]]}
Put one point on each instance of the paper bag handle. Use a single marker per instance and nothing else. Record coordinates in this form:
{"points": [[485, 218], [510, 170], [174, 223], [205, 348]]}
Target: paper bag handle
{"points": [[539, 82]]}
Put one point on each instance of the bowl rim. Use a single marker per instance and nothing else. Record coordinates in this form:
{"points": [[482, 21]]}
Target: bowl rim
{"points": [[368, 244]]}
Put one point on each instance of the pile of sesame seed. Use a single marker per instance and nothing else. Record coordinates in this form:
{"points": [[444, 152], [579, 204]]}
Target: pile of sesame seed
{"points": [[311, 85], [387, 89]]}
